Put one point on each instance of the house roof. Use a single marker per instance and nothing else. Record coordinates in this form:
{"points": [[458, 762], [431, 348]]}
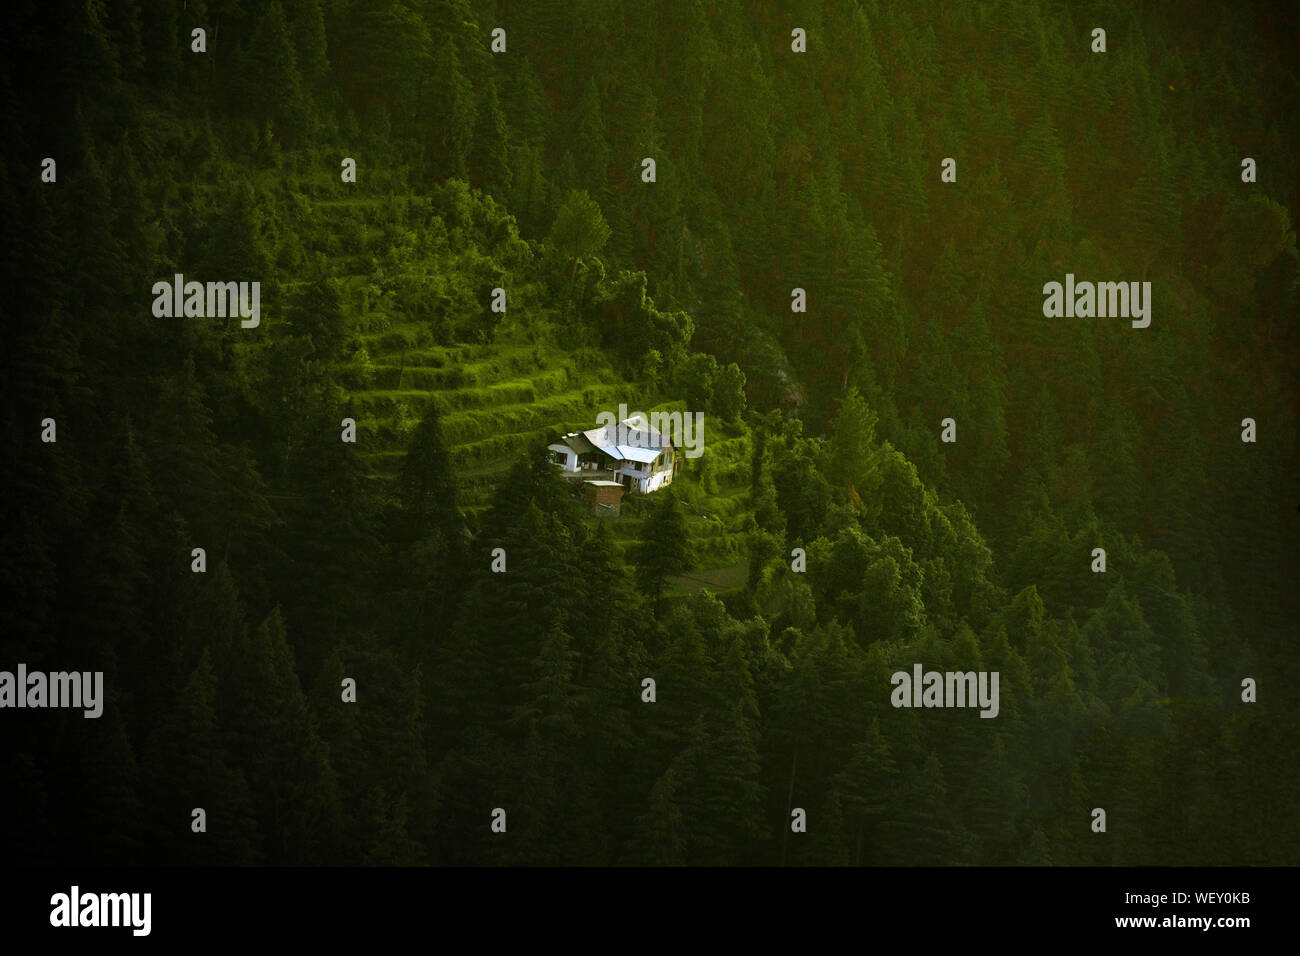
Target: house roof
{"points": [[603, 484], [635, 434], [640, 433], [579, 443], [638, 442], [632, 453]]}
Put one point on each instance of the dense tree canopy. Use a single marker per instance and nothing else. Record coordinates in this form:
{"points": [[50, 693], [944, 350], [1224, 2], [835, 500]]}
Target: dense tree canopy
{"points": [[499, 635]]}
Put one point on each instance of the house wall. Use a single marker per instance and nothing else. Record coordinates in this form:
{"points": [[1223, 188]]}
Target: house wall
{"points": [[570, 456], [643, 479], [659, 479], [603, 499]]}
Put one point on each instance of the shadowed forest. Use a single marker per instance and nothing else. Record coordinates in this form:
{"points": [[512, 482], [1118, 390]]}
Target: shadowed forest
{"points": [[774, 170]]}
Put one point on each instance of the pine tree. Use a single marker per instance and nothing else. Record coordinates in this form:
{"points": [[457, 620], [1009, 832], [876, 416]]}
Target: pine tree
{"points": [[587, 141], [529, 189], [579, 229], [271, 85], [664, 550], [851, 451], [727, 794], [489, 161], [922, 832], [658, 838], [108, 762], [552, 702], [192, 768], [161, 42], [432, 528], [452, 113], [391, 843], [825, 837], [869, 784], [307, 25], [340, 732], [274, 736]]}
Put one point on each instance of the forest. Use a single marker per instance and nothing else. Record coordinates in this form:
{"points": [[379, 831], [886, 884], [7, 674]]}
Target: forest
{"points": [[183, 510]]}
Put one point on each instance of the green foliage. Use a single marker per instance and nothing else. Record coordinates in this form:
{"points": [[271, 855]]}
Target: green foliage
{"points": [[489, 158], [271, 87], [650, 342], [372, 561], [664, 550], [579, 229], [851, 452]]}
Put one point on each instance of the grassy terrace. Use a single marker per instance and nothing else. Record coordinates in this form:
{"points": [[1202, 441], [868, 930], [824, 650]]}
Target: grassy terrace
{"points": [[496, 401]]}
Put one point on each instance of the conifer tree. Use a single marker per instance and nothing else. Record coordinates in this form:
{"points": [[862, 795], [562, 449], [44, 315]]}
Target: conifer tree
{"points": [[664, 550], [191, 767], [658, 839], [271, 85], [489, 160], [452, 114]]}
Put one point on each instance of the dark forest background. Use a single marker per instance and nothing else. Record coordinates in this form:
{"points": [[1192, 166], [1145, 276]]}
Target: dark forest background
{"points": [[775, 170]]}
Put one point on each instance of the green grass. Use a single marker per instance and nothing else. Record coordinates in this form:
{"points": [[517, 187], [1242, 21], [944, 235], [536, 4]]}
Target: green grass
{"points": [[497, 401], [729, 577]]}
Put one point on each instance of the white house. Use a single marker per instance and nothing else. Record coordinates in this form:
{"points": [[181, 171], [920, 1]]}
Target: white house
{"points": [[631, 453]]}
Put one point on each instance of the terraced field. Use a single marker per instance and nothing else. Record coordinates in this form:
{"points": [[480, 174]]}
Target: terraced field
{"points": [[497, 401], [494, 402]]}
